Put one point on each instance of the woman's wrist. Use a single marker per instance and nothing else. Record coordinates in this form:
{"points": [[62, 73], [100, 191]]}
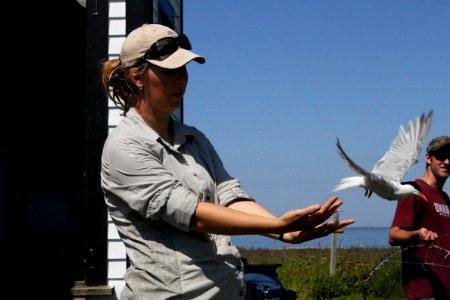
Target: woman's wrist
{"points": [[281, 237]]}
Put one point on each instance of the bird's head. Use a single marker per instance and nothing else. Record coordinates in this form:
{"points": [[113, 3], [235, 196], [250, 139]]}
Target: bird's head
{"points": [[414, 189]]}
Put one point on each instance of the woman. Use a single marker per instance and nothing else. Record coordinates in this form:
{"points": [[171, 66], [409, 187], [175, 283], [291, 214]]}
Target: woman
{"points": [[166, 189]]}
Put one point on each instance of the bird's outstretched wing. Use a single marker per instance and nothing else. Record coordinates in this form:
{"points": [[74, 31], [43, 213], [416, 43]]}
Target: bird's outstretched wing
{"points": [[357, 169], [405, 149]]}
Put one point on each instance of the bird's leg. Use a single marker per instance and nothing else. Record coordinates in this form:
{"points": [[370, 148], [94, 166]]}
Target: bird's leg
{"points": [[368, 193]]}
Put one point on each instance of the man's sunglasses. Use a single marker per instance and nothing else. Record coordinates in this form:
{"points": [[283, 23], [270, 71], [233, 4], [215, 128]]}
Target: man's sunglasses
{"points": [[164, 47], [441, 155]]}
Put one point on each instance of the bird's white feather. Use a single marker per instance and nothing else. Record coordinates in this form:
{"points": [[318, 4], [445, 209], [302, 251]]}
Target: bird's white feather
{"points": [[384, 179], [405, 149], [349, 182]]}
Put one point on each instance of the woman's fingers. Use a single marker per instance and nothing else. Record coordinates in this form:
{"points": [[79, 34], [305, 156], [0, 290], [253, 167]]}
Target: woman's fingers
{"points": [[329, 202], [294, 215], [337, 227], [312, 216], [317, 232]]}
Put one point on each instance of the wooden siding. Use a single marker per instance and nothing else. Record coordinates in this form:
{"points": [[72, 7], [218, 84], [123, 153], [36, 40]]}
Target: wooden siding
{"points": [[116, 248]]}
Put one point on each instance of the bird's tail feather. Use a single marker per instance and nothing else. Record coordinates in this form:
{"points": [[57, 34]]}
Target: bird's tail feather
{"points": [[349, 182]]}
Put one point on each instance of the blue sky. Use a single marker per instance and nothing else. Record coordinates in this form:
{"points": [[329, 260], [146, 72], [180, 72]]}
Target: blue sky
{"points": [[283, 79]]}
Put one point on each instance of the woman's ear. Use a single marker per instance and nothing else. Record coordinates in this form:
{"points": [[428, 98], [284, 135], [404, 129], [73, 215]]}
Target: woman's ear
{"points": [[136, 78]]}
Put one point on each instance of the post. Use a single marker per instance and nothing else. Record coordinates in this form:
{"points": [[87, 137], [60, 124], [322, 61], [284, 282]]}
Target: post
{"points": [[333, 249]]}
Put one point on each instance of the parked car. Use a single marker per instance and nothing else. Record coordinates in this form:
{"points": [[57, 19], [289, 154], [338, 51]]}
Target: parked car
{"points": [[262, 282], [260, 286]]}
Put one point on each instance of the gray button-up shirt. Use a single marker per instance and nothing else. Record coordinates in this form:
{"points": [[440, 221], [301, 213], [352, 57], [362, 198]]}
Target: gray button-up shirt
{"points": [[152, 189]]}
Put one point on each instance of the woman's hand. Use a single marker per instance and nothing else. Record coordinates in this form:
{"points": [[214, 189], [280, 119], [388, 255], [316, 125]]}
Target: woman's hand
{"points": [[310, 218], [322, 230]]}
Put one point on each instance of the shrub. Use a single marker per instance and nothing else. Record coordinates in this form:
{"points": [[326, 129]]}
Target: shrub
{"points": [[358, 272]]}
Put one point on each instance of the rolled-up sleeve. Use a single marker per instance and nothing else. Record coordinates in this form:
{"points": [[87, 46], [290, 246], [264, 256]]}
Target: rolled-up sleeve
{"points": [[231, 190], [136, 175]]}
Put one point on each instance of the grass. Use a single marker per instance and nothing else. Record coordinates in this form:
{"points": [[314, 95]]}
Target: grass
{"points": [[360, 273]]}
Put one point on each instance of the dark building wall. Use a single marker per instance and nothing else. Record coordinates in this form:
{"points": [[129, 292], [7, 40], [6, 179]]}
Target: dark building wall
{"points": [[46, 212], [52, 214]]}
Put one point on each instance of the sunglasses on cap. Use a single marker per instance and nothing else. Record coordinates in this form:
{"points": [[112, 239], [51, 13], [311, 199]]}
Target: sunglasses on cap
{"points": [[441, 155], [164, 47]]}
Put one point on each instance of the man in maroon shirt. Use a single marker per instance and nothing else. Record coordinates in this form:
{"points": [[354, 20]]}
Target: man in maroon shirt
{"points": [[422, 229]]}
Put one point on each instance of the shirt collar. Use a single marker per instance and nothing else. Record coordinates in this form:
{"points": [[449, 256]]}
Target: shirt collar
{"points": [[182, 132]]}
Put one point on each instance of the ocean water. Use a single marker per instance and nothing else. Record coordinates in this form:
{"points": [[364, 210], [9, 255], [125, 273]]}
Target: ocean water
{"points": [[367, 237]]}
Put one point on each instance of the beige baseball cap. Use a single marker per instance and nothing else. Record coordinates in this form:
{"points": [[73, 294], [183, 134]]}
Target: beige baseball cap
{"points": [[438, 142], [139, 41]]}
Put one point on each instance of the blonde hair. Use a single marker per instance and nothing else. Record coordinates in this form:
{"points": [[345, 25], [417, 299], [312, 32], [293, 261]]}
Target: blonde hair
{"points": [[117, 83]]}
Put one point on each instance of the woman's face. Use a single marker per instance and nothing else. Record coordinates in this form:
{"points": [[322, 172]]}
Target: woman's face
{"points": [[164, 88]]}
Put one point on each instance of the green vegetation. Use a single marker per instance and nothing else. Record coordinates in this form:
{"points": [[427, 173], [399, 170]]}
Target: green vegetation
{"points": [[360, 273]]}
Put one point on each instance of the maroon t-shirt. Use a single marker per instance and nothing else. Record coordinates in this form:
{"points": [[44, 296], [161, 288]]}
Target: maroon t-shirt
{"points": [[426, 266]]}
